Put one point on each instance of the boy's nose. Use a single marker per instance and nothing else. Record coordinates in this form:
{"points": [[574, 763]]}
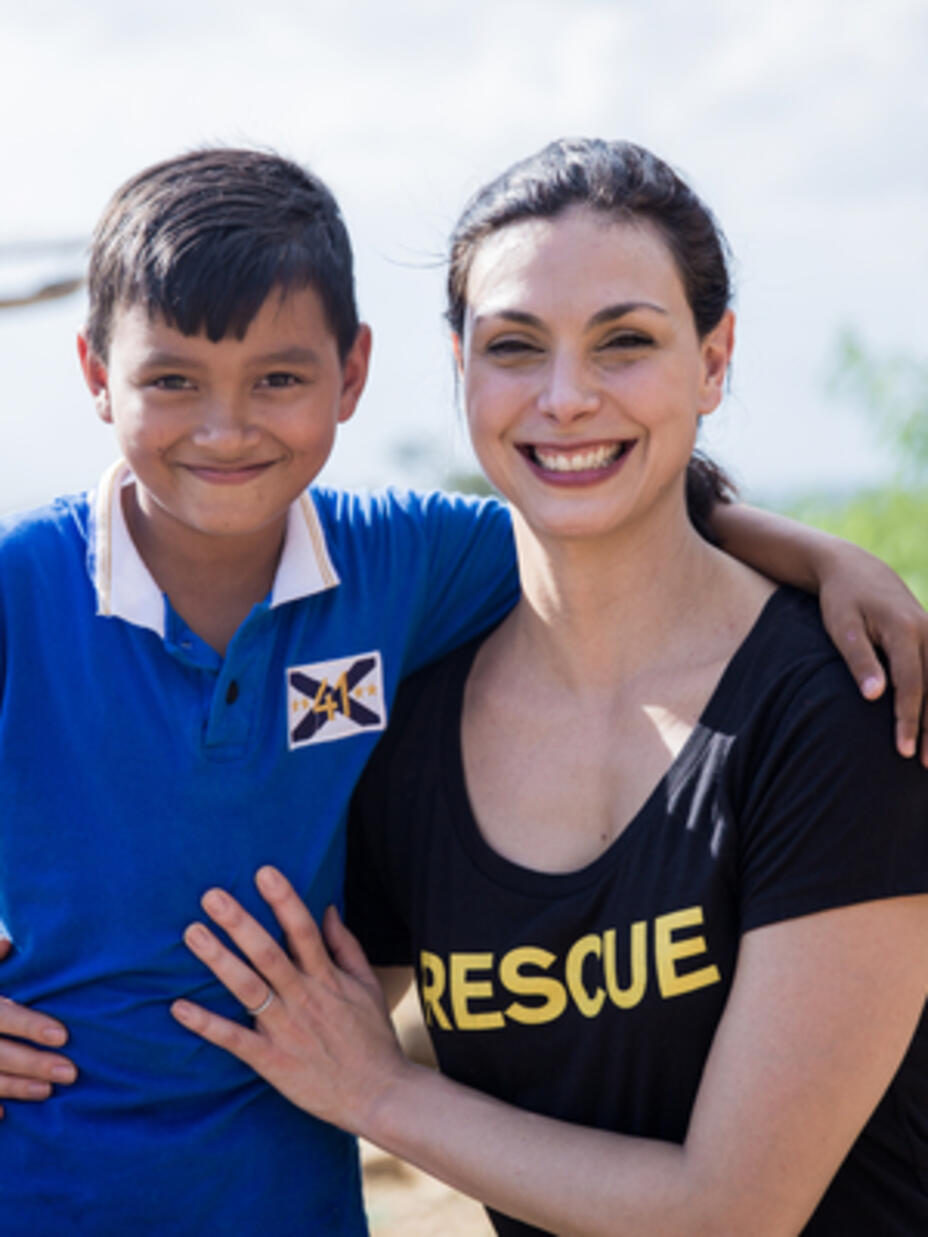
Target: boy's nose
{"points": [[226, 424]]}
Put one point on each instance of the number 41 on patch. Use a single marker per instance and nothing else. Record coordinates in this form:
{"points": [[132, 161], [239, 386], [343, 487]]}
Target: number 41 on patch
{"points": [[335, 699]]}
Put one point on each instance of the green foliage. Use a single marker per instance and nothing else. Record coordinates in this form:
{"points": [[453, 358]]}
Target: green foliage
{"points": [[467, 483], [891, 522]]}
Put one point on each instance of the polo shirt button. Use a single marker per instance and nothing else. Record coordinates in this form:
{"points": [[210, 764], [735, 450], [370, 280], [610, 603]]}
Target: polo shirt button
{"points": [[232, 692]]}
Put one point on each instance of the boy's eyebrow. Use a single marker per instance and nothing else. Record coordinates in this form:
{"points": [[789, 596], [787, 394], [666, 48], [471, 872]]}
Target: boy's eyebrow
{"points": [[161, 359], [286, 356], [291, 356]]}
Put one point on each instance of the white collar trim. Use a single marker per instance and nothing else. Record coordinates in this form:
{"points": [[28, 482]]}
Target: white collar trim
{"points": [[126, 589]]}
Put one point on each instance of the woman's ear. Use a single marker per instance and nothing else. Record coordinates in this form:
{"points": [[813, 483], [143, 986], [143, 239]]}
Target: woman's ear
{"points": [[716, 349]]}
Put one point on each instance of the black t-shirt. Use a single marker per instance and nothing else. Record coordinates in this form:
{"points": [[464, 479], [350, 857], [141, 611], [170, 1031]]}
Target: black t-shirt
{"points": [[594, 995]]}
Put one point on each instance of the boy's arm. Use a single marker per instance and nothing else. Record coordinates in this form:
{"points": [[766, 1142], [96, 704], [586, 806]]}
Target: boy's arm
{"points": [[864, 604], [28, 1073], [467, 579]]}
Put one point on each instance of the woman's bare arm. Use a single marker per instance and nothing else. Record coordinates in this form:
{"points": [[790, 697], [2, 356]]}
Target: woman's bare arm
{"points": [[820, 1015]]}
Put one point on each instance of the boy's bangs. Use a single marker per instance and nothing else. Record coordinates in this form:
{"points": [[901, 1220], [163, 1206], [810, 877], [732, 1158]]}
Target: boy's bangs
{"points": [[220, 292]]}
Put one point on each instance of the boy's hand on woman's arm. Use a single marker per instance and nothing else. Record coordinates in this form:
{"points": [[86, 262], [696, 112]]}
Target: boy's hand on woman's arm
{"points": [[866, 606], [27, 1073]]}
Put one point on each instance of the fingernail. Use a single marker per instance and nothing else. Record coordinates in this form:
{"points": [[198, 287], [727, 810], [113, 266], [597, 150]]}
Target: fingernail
{"points": [[269, 880], [38, 1090], [872, 686], [215, 901], [182, 1011], [64, 1073], [906, 747], [197, 935], [53, 1035]]}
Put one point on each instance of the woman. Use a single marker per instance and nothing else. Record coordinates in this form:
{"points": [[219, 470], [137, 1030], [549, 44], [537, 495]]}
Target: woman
{"points": [[662, 879]]}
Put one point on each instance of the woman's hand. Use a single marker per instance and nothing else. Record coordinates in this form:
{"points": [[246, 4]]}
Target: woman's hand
{"points": [[865, 604], [321, 1033], [28, 1073]]}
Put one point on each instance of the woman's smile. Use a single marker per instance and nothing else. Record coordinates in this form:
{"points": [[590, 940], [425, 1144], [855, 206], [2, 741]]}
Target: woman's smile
{"points": [[581, 464]]}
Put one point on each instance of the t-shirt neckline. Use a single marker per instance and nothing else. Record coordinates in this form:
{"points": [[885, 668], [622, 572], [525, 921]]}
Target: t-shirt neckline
{"points": [[522, 879]]}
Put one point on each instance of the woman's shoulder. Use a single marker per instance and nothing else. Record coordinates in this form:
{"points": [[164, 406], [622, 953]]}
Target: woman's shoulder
{"points": [[823, 809], [797, 719], [788, 663]]}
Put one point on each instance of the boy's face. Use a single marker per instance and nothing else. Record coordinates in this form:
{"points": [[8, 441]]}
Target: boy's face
{"points": [[222, 437]]}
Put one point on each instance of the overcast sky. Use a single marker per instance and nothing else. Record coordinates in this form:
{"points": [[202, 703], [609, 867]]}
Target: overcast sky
{"points": [[802, 123]]}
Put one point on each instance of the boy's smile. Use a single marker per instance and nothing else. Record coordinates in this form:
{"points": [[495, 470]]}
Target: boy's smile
{"points": [[222, 437]]}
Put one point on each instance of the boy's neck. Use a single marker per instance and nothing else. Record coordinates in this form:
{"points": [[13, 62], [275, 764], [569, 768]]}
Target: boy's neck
{"points": [[212, 582]]}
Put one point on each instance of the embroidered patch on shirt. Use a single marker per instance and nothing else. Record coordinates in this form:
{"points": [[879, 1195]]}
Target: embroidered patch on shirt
{"points": [[335, 699]]}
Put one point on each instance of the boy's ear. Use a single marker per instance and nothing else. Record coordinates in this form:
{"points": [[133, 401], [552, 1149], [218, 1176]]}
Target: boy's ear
{"points": [[716, 350], [354, 372], [458, 349], [95, 375]]}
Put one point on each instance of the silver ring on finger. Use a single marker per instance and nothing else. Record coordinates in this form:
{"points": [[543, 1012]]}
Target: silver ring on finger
{"points": [[259, 1009]]}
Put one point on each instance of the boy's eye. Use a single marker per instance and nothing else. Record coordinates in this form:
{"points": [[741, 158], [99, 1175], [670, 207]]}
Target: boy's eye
{"points": [[171, 382]]}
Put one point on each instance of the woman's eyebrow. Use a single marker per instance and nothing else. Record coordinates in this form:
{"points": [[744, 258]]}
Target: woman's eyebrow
{"points": [[607, 314], [510, 315], [611, 312]]}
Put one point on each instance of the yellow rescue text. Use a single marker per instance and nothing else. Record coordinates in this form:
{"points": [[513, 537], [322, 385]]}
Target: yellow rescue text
{"points": [[529, 985]]}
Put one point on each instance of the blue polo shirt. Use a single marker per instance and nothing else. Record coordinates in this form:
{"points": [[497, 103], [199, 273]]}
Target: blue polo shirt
{"points": [[137, 768]]}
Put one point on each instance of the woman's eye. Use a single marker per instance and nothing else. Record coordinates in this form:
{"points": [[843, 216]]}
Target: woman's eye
{"points": [[512, 348], [625, 341], [280, 379]]}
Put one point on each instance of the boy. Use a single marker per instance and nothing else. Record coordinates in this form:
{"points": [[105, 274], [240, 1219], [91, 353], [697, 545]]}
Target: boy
{"points": [[195, 663]]}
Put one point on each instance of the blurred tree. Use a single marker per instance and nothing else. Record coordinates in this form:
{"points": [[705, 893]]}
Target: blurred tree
{"points": [[893, 392], [891, 522], [63, 257], [460, 482]]}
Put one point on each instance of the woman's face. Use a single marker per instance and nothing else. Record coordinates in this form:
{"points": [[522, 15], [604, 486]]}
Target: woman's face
{"points": [[584, 376]]}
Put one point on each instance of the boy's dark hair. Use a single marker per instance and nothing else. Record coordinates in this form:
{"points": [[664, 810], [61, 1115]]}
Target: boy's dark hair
{"points": [[203, 238]]}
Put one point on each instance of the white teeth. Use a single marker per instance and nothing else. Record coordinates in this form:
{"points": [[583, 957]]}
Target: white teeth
{"points": [[577, 461]]}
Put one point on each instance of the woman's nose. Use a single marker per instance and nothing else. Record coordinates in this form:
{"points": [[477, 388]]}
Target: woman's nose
{"points": [[568, 391]]}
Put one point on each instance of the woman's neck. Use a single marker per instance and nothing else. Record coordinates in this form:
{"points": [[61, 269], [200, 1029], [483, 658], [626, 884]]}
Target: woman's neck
{"points": [[599, 611]]}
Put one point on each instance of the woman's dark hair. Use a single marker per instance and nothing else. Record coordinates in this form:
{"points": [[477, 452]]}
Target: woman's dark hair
{"points": [[202, 239], [629, 184]]}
